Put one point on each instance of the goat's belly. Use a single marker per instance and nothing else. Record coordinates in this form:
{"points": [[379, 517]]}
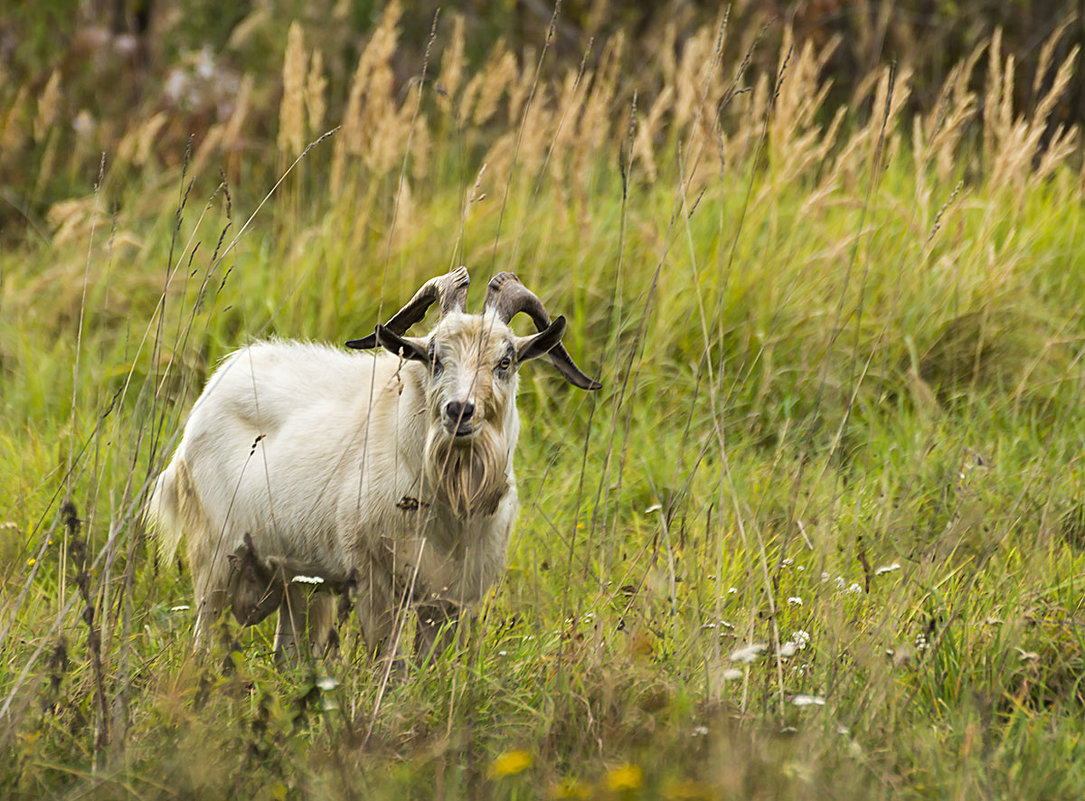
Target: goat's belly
{"points": [[458, 563]]}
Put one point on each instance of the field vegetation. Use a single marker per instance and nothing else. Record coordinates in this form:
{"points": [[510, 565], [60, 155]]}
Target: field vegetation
{"points": [[821, 535]]}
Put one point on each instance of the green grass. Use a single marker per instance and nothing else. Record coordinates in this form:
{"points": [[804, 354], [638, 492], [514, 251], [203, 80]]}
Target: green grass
{"points": [[806, 379]]}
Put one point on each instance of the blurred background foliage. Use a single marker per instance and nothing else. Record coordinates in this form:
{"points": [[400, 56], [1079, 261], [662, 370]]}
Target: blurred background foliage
{"points": [[77, 76]]}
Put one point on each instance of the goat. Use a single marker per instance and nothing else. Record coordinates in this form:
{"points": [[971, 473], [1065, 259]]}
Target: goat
{"points": [[388, 475]]}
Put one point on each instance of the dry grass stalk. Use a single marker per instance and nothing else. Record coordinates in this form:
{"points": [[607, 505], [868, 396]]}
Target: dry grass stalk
{"points": [[1012, 144], [536, 127], [470, 93], [500, 72], [390, 138], [594, 125], [499, 156], [452, 61], [73, 219], [519, 91], [694, 70], [570, 104], [370, 99], [291, 139], [793, 125], [647, 130], [48, 107], [857, 153], [316, 87], [12, 128], [137, 146], [936, 135], [1047, 53]]}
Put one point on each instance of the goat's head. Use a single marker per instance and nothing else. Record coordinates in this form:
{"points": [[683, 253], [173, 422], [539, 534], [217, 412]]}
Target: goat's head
{"points": [[471, 363]]}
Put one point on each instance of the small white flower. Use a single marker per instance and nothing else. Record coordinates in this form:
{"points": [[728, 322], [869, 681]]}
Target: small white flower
{"points": [[824, 577], [840, 583], [788, 649], [787, 562], [854, 589], [801, 639], [800, 568], [748, 653], [808, 700], [732, 591], [794, 600], [700, 731], [308, 579], [732, 673], [502, 653], [327, 683], [887, 569]]}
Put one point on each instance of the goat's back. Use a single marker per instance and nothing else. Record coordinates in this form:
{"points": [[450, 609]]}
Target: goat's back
{"points": [[278, 434]]}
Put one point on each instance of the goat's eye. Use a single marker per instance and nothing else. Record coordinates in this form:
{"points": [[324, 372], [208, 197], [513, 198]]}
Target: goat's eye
{"points": [[435, 366], [504, 364]]}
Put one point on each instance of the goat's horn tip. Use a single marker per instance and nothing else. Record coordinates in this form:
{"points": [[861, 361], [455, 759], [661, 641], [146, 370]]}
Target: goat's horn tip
{"points": [[503, 278], [459, 277], [365, 343]]}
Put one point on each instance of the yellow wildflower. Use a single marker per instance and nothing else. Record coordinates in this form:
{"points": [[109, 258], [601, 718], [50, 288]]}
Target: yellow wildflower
{"points": [[510, 763], [624, 777]]}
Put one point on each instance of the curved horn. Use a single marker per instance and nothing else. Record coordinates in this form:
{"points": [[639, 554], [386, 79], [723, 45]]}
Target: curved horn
{"points": [[450, 289], [507, 296]]}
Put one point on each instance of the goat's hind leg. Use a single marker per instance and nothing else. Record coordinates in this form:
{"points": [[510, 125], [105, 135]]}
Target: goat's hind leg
{"points": [[211, 581]]}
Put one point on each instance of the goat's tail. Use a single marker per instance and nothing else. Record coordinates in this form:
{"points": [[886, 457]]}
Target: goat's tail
{"points": [[163, 515]]}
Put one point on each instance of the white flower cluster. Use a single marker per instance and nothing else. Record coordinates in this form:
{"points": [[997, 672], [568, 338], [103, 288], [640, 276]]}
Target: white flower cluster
{"points": [[798, 642]]}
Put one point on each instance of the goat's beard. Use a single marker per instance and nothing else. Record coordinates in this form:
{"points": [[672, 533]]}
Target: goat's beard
{"points": [[469, 477]]}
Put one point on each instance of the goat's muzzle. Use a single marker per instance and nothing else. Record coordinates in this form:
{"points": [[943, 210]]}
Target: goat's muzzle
{"points": [[459, 419]]}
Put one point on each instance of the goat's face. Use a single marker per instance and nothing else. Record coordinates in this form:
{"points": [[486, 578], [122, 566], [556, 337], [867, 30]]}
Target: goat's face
{"points": [[472, 375], [471, 363]]}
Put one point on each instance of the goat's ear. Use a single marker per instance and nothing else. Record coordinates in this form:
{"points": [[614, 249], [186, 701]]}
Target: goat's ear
{"points": [[410, 348], [541, 343]]}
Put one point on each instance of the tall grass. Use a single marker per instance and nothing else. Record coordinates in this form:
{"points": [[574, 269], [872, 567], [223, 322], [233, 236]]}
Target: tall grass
{"points": [[820, 534]]}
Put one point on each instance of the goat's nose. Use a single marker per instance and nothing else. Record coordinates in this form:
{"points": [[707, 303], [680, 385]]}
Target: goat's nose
{"points": [[459, 412]]}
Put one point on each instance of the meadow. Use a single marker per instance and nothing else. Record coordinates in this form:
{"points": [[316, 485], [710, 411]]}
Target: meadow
{"points": [[820, 535]]}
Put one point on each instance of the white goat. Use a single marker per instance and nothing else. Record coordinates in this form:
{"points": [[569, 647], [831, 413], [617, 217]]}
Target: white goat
{"points": [[386, 476]]}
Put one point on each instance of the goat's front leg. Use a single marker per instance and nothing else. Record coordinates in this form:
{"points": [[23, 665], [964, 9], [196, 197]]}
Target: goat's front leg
{"points": [[376, 601], [436, 628], [304, 614]]}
